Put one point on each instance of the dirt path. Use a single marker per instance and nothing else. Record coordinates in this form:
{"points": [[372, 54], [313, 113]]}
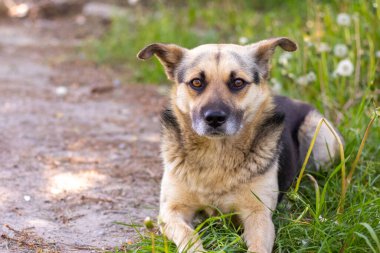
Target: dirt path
{"points": [[71, 165]]}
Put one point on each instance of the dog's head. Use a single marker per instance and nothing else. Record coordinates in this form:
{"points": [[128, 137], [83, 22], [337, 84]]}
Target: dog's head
{"points": [[219, 86]]}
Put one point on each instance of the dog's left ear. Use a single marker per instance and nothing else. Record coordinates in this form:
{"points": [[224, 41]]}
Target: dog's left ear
{"points": [[264, 50], [169, 55]]}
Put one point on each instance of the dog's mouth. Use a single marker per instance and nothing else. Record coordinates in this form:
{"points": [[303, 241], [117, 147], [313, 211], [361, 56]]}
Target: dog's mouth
{"points": [[215, 133], [219, 132]]}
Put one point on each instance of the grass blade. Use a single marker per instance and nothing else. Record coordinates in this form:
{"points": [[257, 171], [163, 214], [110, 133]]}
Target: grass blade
{"points": [[372, 233], [367, 241]]}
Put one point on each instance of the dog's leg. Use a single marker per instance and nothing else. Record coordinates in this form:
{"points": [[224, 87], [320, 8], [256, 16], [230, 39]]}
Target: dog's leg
{"points": [[259, 230], [175, 224], [177, 209], [326, 147], [254, 206]]}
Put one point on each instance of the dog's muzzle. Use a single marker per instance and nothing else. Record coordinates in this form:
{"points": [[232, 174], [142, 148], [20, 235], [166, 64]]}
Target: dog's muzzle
{"points": [[216, 121]]}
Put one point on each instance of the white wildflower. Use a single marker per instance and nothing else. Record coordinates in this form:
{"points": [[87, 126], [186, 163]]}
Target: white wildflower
{"points": [[302, 80], [345, 68], [243, 40], [309, 24], [343, 19], [306, 79], [276, 85], [377, 54], [148, 223], [311, 77], [309, 43], [323, 47], [322, 219], [292, 76], [340, 50], [284, 58]]}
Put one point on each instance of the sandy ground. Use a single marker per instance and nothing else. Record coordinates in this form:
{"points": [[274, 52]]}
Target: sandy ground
{"points": [[71, 165]]}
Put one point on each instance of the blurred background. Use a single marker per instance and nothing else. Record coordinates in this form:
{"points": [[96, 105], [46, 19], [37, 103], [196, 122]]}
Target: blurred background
{"points": [[79, 114]]}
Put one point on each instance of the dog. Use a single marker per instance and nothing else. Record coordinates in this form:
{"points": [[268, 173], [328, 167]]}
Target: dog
{"points": [[227, 141]]}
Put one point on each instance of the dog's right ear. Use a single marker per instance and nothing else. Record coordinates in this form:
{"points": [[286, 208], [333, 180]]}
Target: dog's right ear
{"points": [[169, 55], [264, 50]]}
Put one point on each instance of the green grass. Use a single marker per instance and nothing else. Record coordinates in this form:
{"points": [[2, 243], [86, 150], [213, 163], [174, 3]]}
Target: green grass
{"points": [[308, 220]]}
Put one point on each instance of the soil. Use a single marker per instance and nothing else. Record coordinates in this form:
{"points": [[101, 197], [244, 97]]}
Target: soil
{"points": [[79, 144]]}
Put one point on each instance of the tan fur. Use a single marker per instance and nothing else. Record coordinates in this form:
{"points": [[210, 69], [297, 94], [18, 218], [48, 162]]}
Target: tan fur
{"points": [[326, 146], [219, 172]]}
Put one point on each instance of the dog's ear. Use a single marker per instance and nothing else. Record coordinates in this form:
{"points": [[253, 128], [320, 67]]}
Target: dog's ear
{"points": [[263, 51], [169, 55]]}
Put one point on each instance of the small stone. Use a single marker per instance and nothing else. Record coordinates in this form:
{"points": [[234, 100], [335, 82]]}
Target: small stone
{"points": [[101, 233], [80, 20], [116, 82], [18, 10], [61, 91], [122, 146], [27, 198], [133, 2]]}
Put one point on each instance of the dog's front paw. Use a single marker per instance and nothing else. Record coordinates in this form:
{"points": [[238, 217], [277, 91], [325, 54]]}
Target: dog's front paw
{"points": [[258, 249]]}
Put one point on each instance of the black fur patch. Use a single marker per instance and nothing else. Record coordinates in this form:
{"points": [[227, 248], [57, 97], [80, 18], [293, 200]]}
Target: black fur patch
{"points": [[168, 119], [289, 161], [268, 126], [217, 57], [256, 77], [276, 120], [265, 159], [181, 75], [202, 76]]}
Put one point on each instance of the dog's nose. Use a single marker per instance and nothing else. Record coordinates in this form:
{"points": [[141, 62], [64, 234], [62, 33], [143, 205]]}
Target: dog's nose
{"points": [[215, 118]]}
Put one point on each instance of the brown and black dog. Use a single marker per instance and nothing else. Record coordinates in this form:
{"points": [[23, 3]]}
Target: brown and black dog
{"points": [[227, 141]]}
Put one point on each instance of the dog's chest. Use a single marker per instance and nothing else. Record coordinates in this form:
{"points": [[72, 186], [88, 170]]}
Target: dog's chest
{"points": [[215, 169], [212, 169], [218, 168]]}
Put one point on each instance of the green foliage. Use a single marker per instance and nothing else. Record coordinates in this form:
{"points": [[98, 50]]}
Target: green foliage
{"points": [[188, 26], [307, 222]]}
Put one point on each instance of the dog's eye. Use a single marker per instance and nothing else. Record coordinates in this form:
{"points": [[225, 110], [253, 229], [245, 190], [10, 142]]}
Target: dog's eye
{"points": [[237, 84], [196, 84]]}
